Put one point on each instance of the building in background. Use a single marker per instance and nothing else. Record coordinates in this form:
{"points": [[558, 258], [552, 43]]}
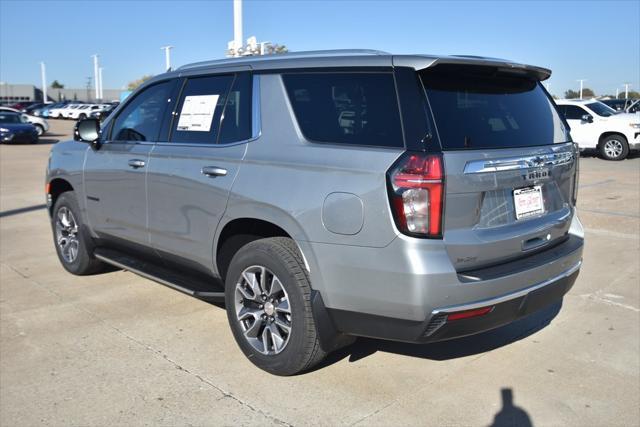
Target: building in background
{"points": [[13, 93]]}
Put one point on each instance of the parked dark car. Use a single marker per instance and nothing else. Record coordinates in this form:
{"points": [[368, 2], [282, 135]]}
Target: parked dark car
{"points": [[29, 109], [13, 129], [618, 104]]}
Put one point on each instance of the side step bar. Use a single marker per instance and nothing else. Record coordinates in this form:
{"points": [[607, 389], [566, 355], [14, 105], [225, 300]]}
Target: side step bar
{"points": [[196, 285]]}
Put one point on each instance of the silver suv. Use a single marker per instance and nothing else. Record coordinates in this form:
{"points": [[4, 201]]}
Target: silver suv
{"points": [[328, 195]]}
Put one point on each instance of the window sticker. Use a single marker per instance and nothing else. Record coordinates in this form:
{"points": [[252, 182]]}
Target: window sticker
{"points": [[197, 113]]}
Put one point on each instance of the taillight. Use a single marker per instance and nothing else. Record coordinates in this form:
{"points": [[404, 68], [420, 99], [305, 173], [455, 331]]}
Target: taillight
{"points": [[417, 194]]}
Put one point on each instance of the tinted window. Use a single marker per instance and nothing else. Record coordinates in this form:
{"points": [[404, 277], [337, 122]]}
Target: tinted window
{"points": [[480, 107], [573, 112], [9, 118], [199, 111], [346, 108], [601, 109], [141, 118], [236, 120]]}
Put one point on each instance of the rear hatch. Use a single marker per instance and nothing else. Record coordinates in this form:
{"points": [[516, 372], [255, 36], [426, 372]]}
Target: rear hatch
{"points": [[510, 168]]}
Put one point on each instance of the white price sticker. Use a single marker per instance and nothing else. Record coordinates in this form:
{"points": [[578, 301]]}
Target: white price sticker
{"points": [[197, 113]]}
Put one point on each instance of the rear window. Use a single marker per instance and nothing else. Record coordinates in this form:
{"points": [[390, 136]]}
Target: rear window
{"points": [[346, 108], [480, 107]]}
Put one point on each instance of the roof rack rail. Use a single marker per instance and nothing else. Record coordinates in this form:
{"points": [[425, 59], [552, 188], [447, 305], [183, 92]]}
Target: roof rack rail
{"points": [[301, 54]]}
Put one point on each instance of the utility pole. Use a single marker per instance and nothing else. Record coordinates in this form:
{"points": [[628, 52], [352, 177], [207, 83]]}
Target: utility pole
{"points": [[95, 74], [626, 90], [88, 88], [43, 73], [167, 56], [237, 26], [581, 82], [100, 83], [617, 92]]}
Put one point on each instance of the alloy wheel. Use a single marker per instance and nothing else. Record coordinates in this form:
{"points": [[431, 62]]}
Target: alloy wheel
{"points": [[262, 310], [613, 148], [67, 234]]}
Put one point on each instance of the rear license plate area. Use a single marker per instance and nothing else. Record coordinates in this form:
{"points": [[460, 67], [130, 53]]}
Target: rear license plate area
{"points": [[528, 202]]}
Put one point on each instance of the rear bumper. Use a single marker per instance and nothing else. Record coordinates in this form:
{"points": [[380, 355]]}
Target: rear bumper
{"points": [[504, 310], [407, 290]]}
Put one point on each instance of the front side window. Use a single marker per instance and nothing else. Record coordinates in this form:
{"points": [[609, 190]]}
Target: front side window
{"points": [[141, 119], [199, 111], [346, 108], [484, 107]]}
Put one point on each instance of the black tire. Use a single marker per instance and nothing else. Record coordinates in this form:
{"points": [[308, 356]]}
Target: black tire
{"points": [[84, 262], [82, 116], [40, 129], [614, 147], [281, 256]]}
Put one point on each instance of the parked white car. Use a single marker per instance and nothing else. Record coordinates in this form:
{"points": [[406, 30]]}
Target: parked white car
{"points": [[594, 125], [84, 111], [60, 113], [40, 124]]}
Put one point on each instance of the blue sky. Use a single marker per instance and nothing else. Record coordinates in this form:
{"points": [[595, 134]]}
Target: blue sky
{"points": [[595, 40]]}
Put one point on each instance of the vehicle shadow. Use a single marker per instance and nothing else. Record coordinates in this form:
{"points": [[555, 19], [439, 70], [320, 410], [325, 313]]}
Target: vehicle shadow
{"points": [[592, 153], [452, 349], [48, 140]]}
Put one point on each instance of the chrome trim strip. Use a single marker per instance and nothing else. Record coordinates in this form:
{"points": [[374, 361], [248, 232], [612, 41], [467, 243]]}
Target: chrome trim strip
{"points": [[507, 297], [256, 124], [517, 163]]}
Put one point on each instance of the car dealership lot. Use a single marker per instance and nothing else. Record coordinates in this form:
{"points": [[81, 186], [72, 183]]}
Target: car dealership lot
{"points": [[119, 349]]}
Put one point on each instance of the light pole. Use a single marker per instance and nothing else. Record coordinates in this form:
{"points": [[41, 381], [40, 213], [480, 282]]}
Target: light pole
{"points": [[581, 81], [43, 73], [167, 56], [95, 74], [100, 83], [237, 26], [626, 90]]}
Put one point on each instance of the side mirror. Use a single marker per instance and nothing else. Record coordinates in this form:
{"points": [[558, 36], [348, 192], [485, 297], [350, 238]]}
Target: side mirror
{"points": [[88, 130], [24, 118], [587, 118]]}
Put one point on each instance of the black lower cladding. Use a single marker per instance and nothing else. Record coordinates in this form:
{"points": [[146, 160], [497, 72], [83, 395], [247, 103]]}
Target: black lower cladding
{"points": [[437, 328]]}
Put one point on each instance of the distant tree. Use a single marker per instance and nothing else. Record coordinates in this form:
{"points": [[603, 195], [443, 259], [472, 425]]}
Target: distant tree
{"points": [[571, 94], [57, 85], [588, 93], [135, 83], [632, 94]]}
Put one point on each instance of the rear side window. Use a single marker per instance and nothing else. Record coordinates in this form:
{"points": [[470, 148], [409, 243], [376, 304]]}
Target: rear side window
{"points": [[236, 119], [346, 108], [199, 110], [481, 107], [573, 112], [140, 120]]}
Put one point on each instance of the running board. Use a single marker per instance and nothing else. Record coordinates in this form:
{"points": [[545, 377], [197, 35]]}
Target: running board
{"points": [[196, 285]]}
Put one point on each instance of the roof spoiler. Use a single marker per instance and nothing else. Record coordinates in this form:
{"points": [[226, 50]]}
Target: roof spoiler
{"points": [[423, 62]]}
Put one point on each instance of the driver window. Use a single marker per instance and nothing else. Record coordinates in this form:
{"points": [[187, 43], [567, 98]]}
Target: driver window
{"points": [[141, 119]]}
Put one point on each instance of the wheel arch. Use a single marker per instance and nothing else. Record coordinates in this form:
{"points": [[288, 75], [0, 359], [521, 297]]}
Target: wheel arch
{"points": [[237, 232], [55, 188], [610, 133]]}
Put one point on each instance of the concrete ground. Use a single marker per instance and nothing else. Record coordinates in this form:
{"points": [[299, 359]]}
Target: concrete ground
{"points": [[117, 349]]}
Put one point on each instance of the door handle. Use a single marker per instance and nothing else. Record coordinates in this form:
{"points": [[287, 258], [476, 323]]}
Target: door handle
{"points": [[137, 163], [213, 171]]}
